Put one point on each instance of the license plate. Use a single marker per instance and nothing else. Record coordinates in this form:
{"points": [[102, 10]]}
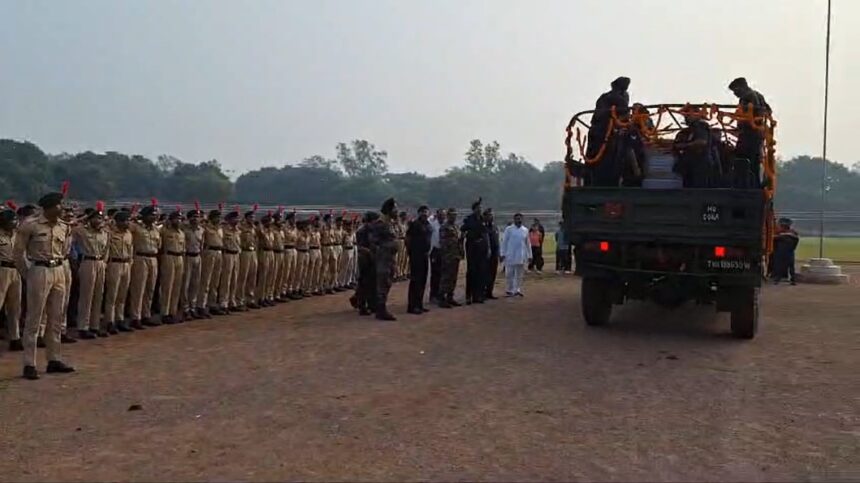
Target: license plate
{"points": [[711, 213], [729, 265]]}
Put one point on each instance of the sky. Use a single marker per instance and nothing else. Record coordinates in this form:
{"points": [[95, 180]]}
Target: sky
{"points": [[266, 82]]}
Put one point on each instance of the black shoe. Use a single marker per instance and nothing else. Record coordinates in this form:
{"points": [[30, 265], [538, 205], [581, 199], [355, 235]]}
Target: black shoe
{"points": [[123, 327], [491, 297], [136, 325], [216, 311], [364, 312], [329, 291], [87, 335], [112, 329], [103, 333], [30, 373], [385, 315], [424, 309], [454, 303], [150, 323], [59, 367], [253, 306], [478, 301], [445, 304], [414, 311], [15, 345], [168, 320], [40, 342], [67, 339]]}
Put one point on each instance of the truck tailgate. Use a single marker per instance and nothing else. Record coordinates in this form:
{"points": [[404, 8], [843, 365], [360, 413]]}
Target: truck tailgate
{"points": [[695, 216]]}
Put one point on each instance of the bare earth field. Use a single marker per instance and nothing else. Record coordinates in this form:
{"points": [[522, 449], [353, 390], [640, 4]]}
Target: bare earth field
{"points": [[509, 390]]}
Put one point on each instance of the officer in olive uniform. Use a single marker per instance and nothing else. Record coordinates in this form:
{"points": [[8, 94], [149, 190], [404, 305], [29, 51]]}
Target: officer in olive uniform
{"points": [[91, 241], [750, 139], [451, 252], [10, 279], [383, 240], [41, 244], [118, 273], [365, 290]]}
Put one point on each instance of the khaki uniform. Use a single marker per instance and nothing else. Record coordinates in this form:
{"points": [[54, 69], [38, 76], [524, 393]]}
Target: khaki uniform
{"points": [[228, 291], [93, 247], [290, 258], [171, 270], [192, 269], [337, 248], [10, 285], [315, 261], [276, 288], [265, 262], [402, 258], [118, 276], [329, 260], [144, 269], [300, 276], [347, 258], [44, 243], [247, 263], [210, 278]]}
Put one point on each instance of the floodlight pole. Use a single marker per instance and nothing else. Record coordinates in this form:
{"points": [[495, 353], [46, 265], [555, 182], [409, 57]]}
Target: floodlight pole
{"points": [[824, 142]]}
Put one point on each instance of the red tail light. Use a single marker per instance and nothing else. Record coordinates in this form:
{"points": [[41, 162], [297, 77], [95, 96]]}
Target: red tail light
{"points": [[719, 252], [604, 246]]}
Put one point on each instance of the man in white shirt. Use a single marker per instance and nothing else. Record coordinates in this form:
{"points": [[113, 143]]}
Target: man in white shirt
{"points": [[515, 253], [435, 260]]}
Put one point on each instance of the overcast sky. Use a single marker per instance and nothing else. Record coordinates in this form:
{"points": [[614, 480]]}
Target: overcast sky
{"points": [[254, 83]]}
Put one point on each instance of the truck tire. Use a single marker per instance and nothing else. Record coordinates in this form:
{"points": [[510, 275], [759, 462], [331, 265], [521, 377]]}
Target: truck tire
{"points": [[745, 313], [596, 304]]}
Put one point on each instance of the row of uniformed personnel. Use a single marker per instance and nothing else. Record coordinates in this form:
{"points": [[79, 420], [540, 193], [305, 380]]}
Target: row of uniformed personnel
{"points": [[181, 265]]}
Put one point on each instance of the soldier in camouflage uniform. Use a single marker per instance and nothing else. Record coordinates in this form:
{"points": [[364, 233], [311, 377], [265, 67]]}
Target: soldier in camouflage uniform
{"points": [[383, 242], [451, 252]]}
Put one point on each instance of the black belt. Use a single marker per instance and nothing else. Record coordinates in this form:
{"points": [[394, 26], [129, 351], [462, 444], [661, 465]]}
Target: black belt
{"points": [[7, 265], [266, 249], [302, 250], [231, 252], [314, 248], [92, 259], [249, 249], [289, 247], [348, 247], [176, 254], [120, 260], [147, 255], [49, 263], [192, 254], [215, 249], [328, 244], [278, 251]]}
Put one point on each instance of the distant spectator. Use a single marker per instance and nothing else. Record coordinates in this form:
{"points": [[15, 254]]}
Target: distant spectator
{"points": [[536, 237], [563, 263]]}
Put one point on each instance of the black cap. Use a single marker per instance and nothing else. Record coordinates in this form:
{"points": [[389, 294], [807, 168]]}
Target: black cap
{"points": [[327, 217], [738, 83], [250, 214], [477, 203], [621, 83], [51, 200], [122, 215], [232, 215], [193, 213], [214, 214], [388, 205], [7, 215], [149, 210], [289, 216]]}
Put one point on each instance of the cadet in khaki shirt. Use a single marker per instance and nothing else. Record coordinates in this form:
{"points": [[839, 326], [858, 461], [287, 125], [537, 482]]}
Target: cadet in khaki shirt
{"points": [[213, 243], [144, 270], [10, 279], [327, 254], [91, 240], [118, 277], [290, 256], [277, 279], [41, 243], [265, 260], [171, 268], [337, 247], [348, 256], [248, 262], [192, 269], [228, 292]]}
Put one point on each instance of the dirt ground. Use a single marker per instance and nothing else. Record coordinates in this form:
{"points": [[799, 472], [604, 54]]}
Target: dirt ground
{"points": [[513, 390]]}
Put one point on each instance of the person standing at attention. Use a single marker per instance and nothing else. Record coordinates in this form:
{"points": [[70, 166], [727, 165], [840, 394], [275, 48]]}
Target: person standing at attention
{"points": [[562, 251], [514, 253], [536, 235], [417, 251]]}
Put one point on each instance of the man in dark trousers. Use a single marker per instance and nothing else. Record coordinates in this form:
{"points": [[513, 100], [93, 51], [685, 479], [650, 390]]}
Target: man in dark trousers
{"points": [[365, 291], [435, 254], [750, 140], [383, 242], [493, 261], [477, 254], [418, 236]]}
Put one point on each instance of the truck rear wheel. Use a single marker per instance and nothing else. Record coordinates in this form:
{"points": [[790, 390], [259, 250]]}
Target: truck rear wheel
{"points": [[596, 303], [745, 313]]}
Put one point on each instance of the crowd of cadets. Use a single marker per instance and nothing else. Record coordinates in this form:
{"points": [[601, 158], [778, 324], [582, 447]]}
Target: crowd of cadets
{"points": [[123, 270]]}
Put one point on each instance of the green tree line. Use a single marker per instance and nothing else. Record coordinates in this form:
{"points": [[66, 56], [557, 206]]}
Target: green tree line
{"points": [[357, 174]]}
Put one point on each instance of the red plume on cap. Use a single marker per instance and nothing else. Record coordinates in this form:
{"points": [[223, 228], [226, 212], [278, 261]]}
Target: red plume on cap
{"points": [[196, 205], [255, 207], [100, 206], [154, 202], [179, 208], [12, 206], [64, 188]]}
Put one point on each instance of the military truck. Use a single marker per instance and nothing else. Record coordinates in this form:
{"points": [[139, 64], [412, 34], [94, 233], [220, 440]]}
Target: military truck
{"points": [[659, 240]]}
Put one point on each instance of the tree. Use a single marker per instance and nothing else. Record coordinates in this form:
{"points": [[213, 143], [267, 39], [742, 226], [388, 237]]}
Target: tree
{"points": [[482, 158], [361, 159], [317, 161]]}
